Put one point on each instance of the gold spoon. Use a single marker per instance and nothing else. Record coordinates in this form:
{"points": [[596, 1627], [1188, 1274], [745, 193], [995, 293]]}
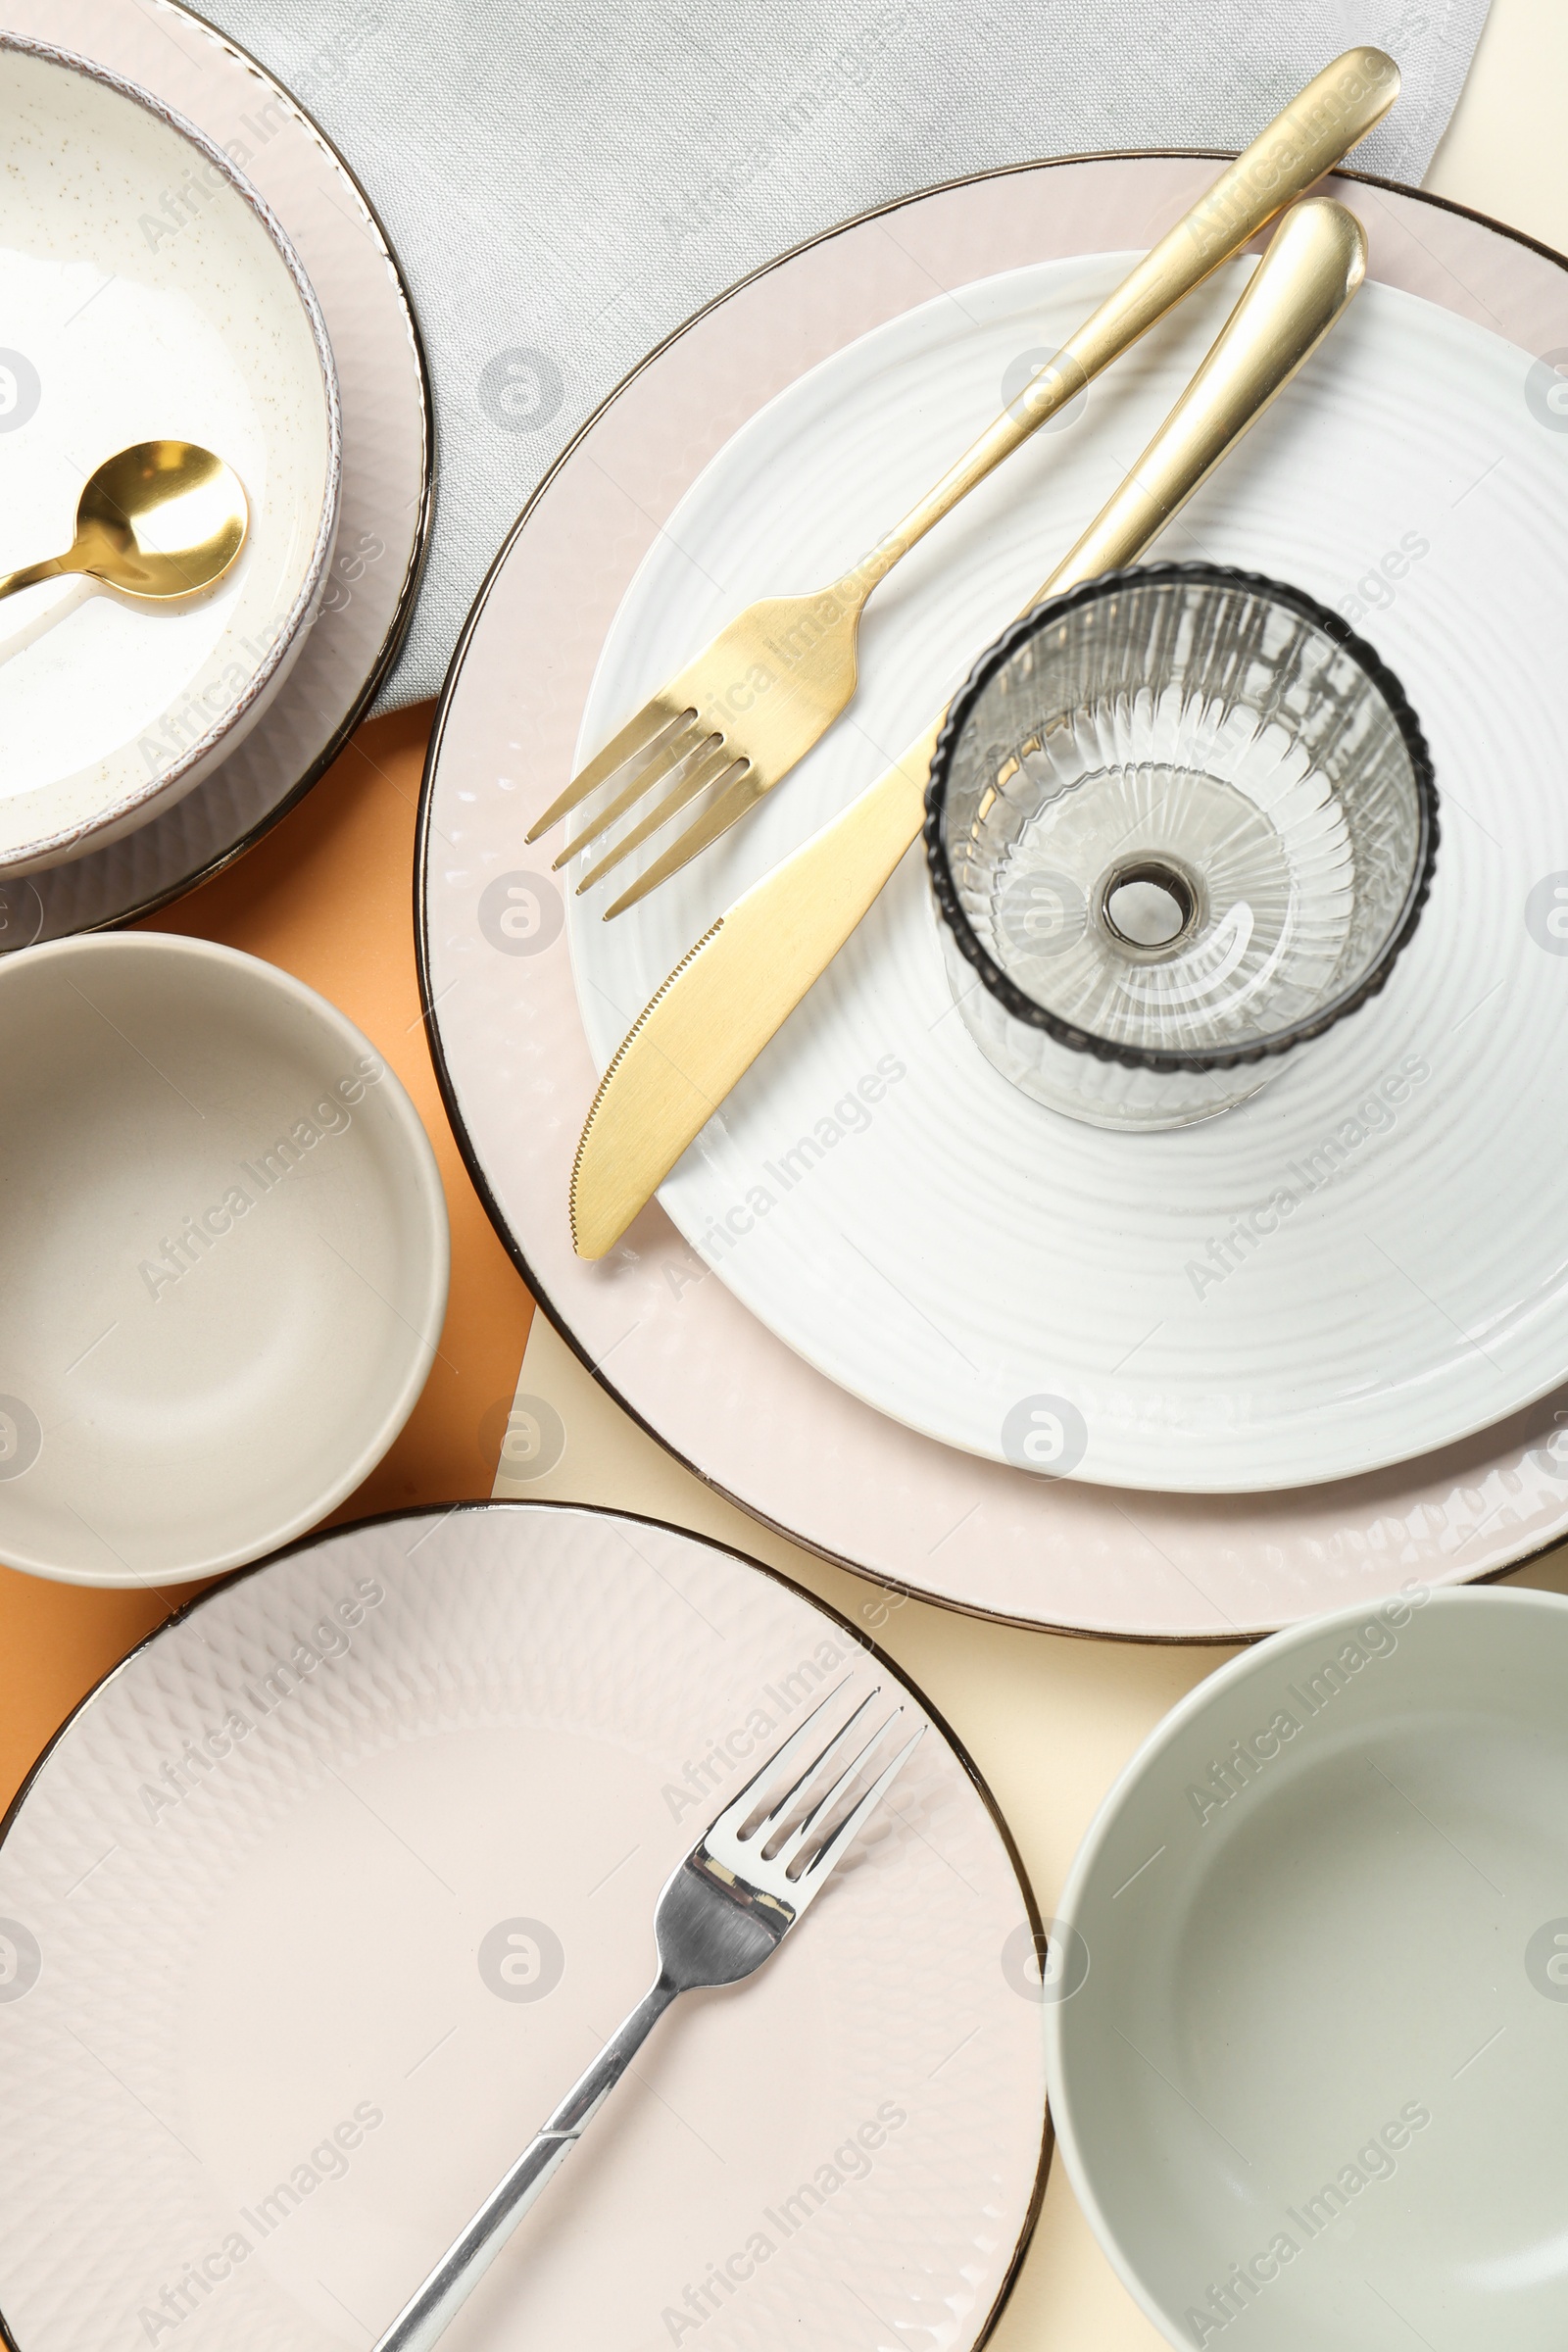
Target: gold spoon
{"points": [[158, 523]]}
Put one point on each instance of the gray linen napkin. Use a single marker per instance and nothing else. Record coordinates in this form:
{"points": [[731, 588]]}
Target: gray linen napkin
{"points": [[564, 184]]}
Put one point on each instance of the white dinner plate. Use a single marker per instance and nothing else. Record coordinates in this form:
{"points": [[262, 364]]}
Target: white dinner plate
{"points": [[1308, 2048], [323, 1898], [386, 479], [1360, 1264], [148, 293]]}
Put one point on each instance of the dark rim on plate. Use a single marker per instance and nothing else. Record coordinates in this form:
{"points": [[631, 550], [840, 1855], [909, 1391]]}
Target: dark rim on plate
{"points": [[1169, 1058], [427, 833], [401, 614], [595, 1511]]}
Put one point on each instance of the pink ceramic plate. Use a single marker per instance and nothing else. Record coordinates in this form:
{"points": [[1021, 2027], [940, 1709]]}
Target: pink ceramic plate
{"points": [[657, 1327], [320, 1901], [387, 479]]}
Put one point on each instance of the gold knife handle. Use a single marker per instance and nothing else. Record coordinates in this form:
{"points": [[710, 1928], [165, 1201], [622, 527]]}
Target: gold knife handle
{"points": [[738, 986], [1315, 262], [1336, 110]]}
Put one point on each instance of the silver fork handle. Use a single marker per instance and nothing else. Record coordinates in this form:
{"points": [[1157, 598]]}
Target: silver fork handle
{"points": [[431, 2309]]}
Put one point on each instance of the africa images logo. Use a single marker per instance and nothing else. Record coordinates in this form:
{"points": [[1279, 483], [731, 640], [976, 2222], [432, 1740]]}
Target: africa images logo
{"points": [[196, 1237], [851, 2161]]}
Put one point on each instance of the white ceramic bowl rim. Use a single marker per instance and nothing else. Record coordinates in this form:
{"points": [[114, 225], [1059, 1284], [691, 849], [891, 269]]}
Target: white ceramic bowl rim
{"points": [[161, 785], [292, 1526]]}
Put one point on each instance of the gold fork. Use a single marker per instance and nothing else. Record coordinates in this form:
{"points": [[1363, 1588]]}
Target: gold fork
{"points": [[773, 680]]}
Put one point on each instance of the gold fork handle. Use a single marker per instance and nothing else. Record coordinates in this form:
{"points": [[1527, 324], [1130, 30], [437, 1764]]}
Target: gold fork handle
{"points": [[1346, 101], [736, 987]]}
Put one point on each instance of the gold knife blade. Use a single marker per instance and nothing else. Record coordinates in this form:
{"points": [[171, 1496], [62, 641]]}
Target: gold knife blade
{"points": [[733, 990]]}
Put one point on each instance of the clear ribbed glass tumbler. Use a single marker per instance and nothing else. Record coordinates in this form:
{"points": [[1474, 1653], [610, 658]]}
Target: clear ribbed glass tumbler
{"points": [[1181, 820]]}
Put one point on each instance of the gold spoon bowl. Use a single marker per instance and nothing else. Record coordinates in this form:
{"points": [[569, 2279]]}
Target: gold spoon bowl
{"points": [[158, 523]]}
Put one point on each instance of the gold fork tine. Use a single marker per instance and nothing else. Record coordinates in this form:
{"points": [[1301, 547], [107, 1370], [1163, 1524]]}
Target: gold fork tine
{"points": [[731, 804], [644, 733], [669, 755], [715, 764]]}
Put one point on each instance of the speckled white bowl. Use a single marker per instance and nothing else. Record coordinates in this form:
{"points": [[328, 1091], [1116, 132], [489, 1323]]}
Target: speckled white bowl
{"points": [[146, 292]]}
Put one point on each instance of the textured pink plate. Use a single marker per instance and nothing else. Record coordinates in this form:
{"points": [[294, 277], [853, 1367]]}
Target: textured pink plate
{"points": [[387, 475], [318, 1906], [657, 1328]]}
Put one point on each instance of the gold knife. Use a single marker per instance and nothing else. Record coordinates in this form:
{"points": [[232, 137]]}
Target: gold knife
{"points": [[737, 986]]}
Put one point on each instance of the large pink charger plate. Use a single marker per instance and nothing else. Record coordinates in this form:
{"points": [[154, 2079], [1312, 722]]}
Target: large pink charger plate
{"points": [[655, 1326]]}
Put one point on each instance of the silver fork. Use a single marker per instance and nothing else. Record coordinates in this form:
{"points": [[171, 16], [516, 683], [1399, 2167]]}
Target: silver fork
{"points": [[724, 1910]]}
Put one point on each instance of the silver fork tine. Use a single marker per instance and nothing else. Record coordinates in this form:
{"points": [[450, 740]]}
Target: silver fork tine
{"points": [[639, 734], [669, 753], [740, 1805], [715, 765], [806, 1828], [777, 1813], [822, 1861]]}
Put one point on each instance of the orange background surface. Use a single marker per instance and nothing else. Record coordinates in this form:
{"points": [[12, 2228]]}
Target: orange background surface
{"points": [[328, 896]]}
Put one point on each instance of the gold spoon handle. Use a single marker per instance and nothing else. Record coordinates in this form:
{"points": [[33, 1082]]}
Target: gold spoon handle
{"points": [[56, 567]]}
